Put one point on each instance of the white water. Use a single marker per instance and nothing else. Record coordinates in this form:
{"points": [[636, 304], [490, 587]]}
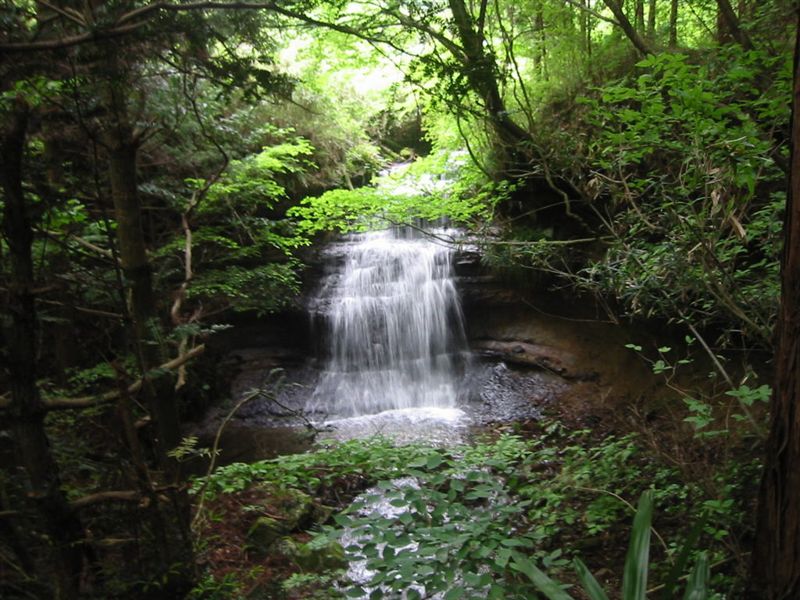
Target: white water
{"points": [[393, 327]]}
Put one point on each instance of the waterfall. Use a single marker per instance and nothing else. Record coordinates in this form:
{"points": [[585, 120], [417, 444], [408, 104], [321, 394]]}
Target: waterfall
{"points": [[393, 327]]}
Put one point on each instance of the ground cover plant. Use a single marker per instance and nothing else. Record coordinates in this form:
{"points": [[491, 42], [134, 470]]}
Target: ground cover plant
{"points": [[469, 521]]}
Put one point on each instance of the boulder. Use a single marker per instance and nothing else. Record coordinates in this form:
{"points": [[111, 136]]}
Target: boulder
{"points": [[317, 555], [314, 556], [264, 533], [287, 510]]}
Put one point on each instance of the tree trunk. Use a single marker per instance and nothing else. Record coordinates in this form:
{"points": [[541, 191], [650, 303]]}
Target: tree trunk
{"points": [[480, 72], [27, 412], [541, 43], [729, 27], [745, 10], [639, 17], [122, 147], [651, 20], [776, 552], [625, 24], [673, 24], [586, 31]]}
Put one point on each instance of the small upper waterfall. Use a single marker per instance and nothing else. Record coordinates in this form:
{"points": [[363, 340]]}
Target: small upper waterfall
{"points": [[393, 326]]}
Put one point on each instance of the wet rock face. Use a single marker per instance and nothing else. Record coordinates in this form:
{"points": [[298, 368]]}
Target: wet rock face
{"points": [[500, 394], [266, 340], [528, 348], [530, 328], [480, 290]]}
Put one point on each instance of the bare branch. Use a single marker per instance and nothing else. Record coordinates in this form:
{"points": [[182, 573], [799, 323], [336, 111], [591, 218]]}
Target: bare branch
{"points": [[85, 243], [99, 497], [88, 401], [592, 12], [73, 40], [88, 311], [116, 496], [66, 13]]}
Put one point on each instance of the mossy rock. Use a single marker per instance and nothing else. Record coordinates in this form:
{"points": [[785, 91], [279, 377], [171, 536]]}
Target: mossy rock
{"points": [[321, 513], [287, 546], [295, 508], [314, 556], [317, 557], [264, 533]]}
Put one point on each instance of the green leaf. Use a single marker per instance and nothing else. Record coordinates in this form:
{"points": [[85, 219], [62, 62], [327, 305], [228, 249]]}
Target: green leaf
{"points": [[697, 586], [356, 592], [503, 555], [420, 461], [548, 587], [516, 543], [457, 485], [634, 581], [472, 579], [590, 584], [433, 461], [454, 594], [671, 581]]}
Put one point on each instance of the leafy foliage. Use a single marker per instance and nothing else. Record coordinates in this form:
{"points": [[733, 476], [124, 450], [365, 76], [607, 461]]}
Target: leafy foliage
{"points": [[634, 583], [375, 457], [467, 521], [689, 158], [431, 189]]}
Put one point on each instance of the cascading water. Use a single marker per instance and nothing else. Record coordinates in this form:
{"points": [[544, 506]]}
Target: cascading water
{"points": [[393, 325]]}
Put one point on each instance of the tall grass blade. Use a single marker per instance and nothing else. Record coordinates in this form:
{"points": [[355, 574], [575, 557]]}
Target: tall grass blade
{"points": [[671, 581], [634, 580], [548, 587], [697, 586], [589, 583]]}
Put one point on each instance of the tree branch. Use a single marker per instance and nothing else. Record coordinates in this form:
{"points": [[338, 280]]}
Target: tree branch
{"points": [[592, 12], [88, 401], [626, 26], [69, 41], [114, 496], [66, 13], [132, 20]]}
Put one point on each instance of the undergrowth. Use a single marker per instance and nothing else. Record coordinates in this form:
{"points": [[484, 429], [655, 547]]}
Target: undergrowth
{"points": [[463, 520]]}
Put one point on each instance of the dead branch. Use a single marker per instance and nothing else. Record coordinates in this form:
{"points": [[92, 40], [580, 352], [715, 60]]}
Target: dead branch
{"points": [[109, 496], [116, 496]]}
